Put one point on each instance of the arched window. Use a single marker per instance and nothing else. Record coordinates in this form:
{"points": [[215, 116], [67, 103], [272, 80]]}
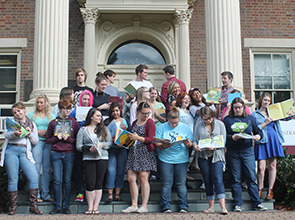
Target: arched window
{"points": [[136, 52]]}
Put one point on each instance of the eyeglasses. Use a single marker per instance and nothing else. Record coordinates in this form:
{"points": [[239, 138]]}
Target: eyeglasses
{"points": [[148, 113], [67, 109], [238, 107]]}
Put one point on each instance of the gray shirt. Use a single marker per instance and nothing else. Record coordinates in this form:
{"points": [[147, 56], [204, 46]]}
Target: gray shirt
{"points": [[85, 139]]}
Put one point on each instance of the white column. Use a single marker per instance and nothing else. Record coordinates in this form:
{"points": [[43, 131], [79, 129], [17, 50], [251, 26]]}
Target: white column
{"points": [[50, 48], [223, 40], [90, 17], [182, 18]]}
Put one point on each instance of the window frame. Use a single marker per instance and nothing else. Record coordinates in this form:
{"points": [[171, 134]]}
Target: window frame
{"points": [[17, 52], [275, 50]]}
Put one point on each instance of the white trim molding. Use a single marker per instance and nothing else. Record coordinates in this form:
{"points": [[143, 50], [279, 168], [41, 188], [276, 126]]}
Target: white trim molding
{"points": [[13, 42], [269, 43]]}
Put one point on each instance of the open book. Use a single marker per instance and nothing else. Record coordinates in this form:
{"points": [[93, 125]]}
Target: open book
{"points": [[122, 138], [62, 127], [166, 141], [161, 111], [215, 142], [130, 89], [213, 95], [245, 136], [11, 125], [281, 110]]}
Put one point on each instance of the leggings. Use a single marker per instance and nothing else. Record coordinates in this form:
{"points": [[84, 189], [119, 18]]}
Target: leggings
{"points": [[95, 171]]}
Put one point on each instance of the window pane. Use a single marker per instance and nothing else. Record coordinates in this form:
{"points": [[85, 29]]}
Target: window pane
{"points": [[7, 98], [262, 68], [8, 60], [133, 53], [281, 71], [8, 79], [281, 96]]}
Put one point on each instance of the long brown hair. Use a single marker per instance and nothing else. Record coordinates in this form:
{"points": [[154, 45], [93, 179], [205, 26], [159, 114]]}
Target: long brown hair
{"points": [[237, 100], [207, 111], [259, 103]]}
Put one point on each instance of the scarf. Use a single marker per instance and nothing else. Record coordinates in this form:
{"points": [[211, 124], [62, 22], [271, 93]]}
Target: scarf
{"points": [[28, 123]]}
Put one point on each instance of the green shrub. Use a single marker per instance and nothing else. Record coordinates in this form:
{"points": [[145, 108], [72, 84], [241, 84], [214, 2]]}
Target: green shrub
{"points": [[284, 190]]}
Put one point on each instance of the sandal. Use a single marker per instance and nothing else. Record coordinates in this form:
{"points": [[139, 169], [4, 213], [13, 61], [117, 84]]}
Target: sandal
{"points": [[95, 212], [209, 210], [110, 198], [117, 197], [224, 212], [88, 212]]}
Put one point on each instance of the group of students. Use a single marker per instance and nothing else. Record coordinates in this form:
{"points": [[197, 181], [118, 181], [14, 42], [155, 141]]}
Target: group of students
{"points": [[188, 117]]}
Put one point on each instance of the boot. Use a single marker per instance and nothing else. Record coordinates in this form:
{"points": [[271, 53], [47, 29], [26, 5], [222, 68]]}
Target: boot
{"points": [[269, 195], [260, 193], [13, 201], [33, 195]]}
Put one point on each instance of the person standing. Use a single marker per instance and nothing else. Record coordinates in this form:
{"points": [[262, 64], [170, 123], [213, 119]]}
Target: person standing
{"points": [[168, 72], [240, 154], [81, 77], [111, 90], [227, 79], [101, 100], [92, 136], [41, 151], [17, 152], [269, 147], [62, 157]]}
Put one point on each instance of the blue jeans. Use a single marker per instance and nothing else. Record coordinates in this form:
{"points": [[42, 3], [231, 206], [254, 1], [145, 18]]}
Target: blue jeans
{"points": [[242, 161], [116, 168], [213, 177], [176, 172], [62, 165], [41, 154], [15, 157]]}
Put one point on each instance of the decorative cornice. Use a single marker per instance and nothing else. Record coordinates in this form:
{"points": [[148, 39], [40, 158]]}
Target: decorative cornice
{"points": [[183, 16], [191, 3], [89, 15], [81, 3]]}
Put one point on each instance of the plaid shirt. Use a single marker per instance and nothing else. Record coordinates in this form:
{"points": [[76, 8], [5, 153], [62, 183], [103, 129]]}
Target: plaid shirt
{"points": [[224, 96]]}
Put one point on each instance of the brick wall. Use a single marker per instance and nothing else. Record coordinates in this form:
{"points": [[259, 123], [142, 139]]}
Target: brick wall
{"points": [[17, 19]]}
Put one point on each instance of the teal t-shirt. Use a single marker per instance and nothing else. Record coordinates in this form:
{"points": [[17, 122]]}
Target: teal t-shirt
{"points": [[178, 153], [42, 124]]}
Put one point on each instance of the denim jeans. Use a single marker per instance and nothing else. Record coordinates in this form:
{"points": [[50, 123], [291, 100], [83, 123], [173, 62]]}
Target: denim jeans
{"points": [[15, 157], [116, 168], [46, 168], [242, 161], [62, 165], [213, 177], [176, 172]]}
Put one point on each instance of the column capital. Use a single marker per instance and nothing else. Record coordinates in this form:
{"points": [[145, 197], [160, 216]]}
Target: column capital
{"points": [[89, 15], [183, 16]]}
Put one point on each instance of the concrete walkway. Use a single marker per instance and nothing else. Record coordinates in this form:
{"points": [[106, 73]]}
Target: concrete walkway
{"points": [[273, 215]]}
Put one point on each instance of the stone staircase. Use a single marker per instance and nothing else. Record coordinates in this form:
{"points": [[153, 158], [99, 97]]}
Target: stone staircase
{"points": [[196, 198]]}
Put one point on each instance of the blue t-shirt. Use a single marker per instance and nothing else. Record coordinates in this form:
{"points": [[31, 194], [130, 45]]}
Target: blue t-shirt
{"points": [[178, 153]]}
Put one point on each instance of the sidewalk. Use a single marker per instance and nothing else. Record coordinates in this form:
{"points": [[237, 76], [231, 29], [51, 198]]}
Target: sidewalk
{"points": [[273, 215]]}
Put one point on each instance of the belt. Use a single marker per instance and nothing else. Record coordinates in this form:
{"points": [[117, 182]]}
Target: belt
{"points": [[19, 145]]}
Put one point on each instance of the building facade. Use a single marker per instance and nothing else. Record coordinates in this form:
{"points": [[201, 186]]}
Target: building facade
{"points": [[42, 42]]}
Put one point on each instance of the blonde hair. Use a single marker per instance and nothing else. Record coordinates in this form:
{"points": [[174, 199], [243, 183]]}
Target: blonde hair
{"points": [[47, 107], [171, 86]]}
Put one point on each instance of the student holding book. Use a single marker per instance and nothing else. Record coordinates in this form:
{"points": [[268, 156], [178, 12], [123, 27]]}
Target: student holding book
{"points": [[173, 160], [157, 104], [17, 152], [94, 139], [62, 155], [41, 151], [240, 154], [117, 154], [270, 146], [141, 158], [212, 160]]}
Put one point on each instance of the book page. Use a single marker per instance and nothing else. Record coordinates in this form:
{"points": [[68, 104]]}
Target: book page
{"points": [[81, 113], [130, 89], [245, 136], [204, 143], [62, 127], [123, 139], [288, 108], [275, 111], [11, 125], [213, 95], [218, 141]]}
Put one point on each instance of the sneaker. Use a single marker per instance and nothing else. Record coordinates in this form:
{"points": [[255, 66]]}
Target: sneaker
{"points": [[79, 198], [153, 178], [237, 208], [182, 211], [260, 208], [54, 211], [202, 186], [142, 210], [167, 211], [67, 211], [130, 209]]}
